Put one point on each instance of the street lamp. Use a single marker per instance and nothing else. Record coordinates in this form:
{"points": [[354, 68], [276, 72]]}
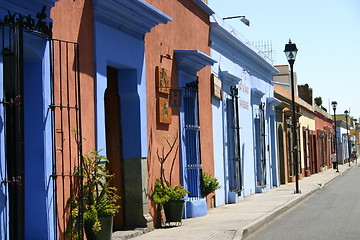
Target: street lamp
{"points": [[242, 19], [347, 133], [290, 52], [334, 104]]}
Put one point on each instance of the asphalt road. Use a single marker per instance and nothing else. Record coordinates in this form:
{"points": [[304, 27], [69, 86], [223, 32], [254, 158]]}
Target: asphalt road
{"points": [[331, 213]]}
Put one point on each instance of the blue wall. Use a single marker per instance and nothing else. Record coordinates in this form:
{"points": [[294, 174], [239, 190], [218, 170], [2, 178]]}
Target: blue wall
{"points": [[239, 64], [38, 184], [39, 197], [37, 136], [189, 62], [125, 53], [119, 30], [219, 166]]}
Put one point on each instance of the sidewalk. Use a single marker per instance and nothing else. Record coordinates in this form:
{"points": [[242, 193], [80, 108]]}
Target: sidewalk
{"points": [[236, 221]]}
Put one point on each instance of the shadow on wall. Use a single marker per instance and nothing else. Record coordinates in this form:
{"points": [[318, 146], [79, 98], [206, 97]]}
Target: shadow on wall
{"points": [[173, 85], [86, 40], [198, 11]]}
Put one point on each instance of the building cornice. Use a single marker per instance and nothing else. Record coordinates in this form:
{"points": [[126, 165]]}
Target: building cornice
{"points": [[223, 34], [27, 7], [191, 61], [286, 98], [204, 7], [256, 93], [231, 79], [322, 112], [271, 101], [135, 17]]}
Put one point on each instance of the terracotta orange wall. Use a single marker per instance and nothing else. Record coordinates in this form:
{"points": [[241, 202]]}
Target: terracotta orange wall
{"points": [[188, 30], [320, 123], [73, 21]]}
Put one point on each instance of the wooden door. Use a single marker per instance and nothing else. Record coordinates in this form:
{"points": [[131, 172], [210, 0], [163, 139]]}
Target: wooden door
{"points": [[113, 140]]}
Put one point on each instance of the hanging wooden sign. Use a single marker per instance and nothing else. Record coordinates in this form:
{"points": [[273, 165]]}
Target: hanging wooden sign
{"points": [[216, 87], [164, 109], [163, 80]]}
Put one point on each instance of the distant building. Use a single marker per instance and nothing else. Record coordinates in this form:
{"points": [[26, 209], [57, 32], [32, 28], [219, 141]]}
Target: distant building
{"points": [[315, 130], [282, 78], [343, 129], [306, 93]]}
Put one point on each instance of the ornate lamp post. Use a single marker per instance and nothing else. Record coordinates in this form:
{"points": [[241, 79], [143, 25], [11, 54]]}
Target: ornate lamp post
{"points": [[347, 133], [334, 104], [290, 52]]}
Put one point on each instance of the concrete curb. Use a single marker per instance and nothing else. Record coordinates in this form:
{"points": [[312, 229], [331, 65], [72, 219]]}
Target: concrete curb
{"points": [[245, 231]]}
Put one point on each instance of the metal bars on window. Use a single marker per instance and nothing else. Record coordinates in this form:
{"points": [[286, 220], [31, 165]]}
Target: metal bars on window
{"points": [[66, 121], [63, 63], [261, 146], [67, 137], [263, 142], [13, 103], [235, 162], [192, 140]]}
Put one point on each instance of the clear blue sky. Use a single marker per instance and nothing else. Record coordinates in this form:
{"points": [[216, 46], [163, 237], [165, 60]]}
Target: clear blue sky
{"points": [[326, 33]]}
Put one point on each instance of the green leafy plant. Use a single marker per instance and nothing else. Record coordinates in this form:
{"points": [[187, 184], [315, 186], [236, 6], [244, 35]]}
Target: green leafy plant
{"points": [[209, 184], [164, 191], [99, 198], [318, 101]]}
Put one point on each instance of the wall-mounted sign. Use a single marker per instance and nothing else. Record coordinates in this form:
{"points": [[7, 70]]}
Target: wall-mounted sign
{"points": [[216, 87], [175, 97], [163, 80], [165, 111]]}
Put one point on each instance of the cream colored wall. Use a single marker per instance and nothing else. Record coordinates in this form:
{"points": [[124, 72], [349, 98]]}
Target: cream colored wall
{"points": [[307, 120]]}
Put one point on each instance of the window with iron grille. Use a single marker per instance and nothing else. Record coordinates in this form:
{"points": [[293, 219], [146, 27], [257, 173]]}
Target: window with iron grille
{"points": [[260, 146], [234, 148], [42, 102], [192, 140]]}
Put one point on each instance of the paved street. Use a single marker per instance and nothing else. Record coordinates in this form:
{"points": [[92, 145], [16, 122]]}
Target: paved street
{"points": [[237, 221], [332, 213]]}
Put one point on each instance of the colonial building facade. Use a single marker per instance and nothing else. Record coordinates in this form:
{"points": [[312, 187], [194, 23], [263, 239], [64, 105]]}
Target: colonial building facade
{"points": [[57, 94], [243, 116], [178, 99], [123, 77], [314, 130]]}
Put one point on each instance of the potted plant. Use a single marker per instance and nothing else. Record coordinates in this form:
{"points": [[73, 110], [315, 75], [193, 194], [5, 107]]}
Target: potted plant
{"points": [[98, 201], [170, 197], [209, 184]]}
